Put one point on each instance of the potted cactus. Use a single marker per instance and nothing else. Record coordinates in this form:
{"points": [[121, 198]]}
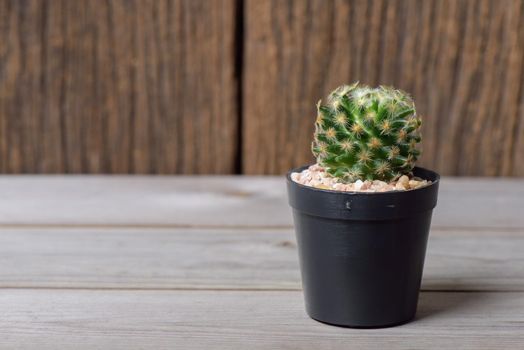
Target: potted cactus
{"points": [[362, 213]]}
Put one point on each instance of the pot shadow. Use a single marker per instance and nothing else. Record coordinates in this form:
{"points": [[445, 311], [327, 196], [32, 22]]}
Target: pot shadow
{"points": [[448, 300]]}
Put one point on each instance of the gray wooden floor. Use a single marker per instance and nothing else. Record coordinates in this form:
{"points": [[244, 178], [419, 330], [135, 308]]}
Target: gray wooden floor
{"points": [[211, 263]]}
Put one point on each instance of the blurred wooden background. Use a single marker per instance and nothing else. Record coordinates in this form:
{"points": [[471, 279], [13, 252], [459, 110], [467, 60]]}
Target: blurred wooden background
{"points": [[230, 86]]}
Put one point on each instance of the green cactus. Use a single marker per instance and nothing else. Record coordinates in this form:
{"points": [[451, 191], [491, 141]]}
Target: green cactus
{"points": [[367, 133]]}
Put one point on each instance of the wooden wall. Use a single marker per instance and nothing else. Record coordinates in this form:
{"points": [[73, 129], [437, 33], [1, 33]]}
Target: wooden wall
{"points": [[230, 86], [92, 86]]}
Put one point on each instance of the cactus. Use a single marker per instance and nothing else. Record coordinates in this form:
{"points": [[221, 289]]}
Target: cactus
{"points": [[367, 133]]}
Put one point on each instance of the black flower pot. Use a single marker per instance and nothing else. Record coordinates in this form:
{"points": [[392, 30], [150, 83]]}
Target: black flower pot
{"points": [[362, 254]]}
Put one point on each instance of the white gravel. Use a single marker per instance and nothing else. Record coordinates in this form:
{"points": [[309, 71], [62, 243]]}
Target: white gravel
{"points": [[316, 176]]}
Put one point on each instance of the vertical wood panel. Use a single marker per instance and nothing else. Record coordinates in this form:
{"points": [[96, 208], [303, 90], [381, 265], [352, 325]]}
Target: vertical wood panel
{"points": [[461, 60], [118, 86]]}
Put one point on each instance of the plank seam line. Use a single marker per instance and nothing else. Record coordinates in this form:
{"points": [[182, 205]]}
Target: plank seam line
{"points": [[196, 289], [217, 227]]}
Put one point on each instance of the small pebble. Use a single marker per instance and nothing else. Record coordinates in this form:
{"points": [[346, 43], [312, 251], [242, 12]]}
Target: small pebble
{"points": [[404, 180]]}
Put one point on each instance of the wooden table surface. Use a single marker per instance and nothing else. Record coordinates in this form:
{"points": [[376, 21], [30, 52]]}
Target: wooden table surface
{"points": [[211, 263]]}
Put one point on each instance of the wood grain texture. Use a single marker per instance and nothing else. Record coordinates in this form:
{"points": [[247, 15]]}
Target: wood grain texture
{"points": [[229, 259], [225, 201], [87, 263], [118, 86], [463, 61], [244, 320]]}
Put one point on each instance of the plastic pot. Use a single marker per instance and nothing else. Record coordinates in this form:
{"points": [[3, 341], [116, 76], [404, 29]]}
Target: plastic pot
{"points": [[362, 254]]}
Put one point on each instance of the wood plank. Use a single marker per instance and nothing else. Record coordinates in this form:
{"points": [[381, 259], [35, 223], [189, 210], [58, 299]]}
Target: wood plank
{"points": [[229, 259], [54, 319], [461, 60], [118, 86], [222, 202]]}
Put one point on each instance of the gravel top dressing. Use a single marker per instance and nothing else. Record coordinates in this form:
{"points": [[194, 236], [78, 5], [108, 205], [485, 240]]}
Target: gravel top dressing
{"points": [[316, 176]]}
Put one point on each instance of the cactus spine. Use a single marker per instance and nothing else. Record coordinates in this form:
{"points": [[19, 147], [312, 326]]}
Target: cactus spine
{"points": [[367, 133]]}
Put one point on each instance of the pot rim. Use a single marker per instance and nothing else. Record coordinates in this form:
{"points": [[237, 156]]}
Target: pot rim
{"points": [[388, 205]]}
